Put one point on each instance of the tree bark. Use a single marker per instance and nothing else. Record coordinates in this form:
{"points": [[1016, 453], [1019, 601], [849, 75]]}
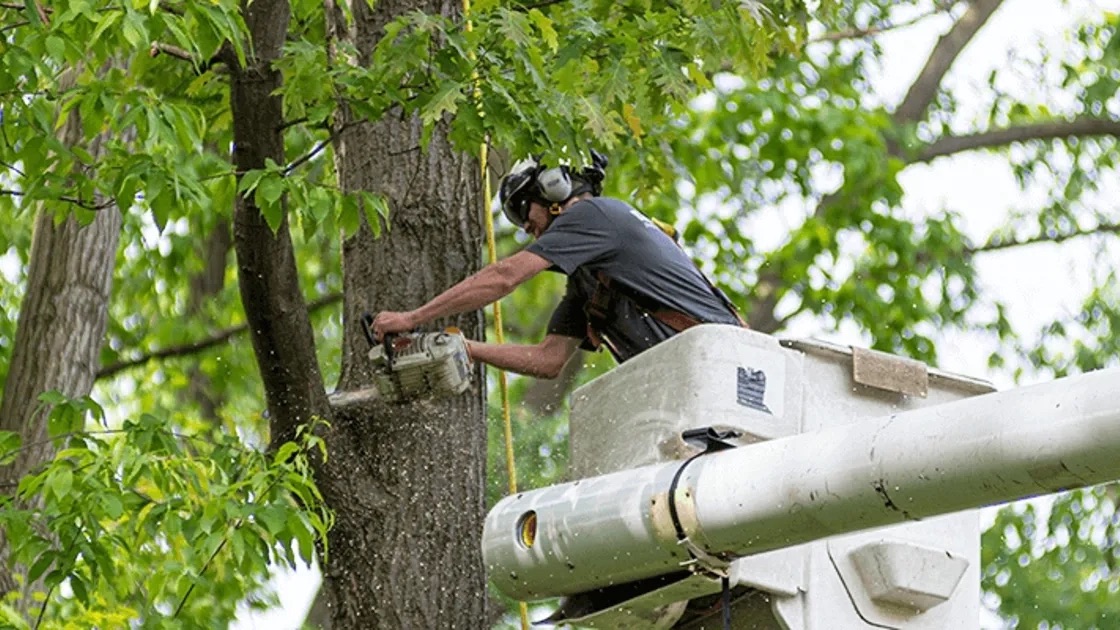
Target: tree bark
{"points": [[61, 327], [404, 552], [274, 306], [204, 286], [62, 324], [1052, 130], [923, 90]]}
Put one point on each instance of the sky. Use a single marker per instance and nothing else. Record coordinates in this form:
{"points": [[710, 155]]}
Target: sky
{"points": [[1037, 283]]}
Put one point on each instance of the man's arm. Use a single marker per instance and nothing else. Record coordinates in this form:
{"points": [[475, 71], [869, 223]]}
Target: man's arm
{"points": [[543, 360], [490, 284]]}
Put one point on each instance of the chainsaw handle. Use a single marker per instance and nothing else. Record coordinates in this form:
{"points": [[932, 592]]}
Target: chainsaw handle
{"points": [[386, 341], [367, 328]]}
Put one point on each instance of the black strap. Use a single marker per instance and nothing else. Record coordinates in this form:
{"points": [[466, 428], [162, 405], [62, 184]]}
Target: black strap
{"points": [[712, 441], [726, 602], [673, 493], [605, 297]]}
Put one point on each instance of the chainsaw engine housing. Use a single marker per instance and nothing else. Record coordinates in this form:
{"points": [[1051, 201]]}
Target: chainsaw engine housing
{"points": [[415, 365]]}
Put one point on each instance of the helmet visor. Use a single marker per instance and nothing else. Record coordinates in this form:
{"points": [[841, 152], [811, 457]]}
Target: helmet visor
{"points": [[517, 210], [515, 195]]}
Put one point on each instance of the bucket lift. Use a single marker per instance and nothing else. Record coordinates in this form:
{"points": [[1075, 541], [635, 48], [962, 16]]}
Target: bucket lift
{"points": [[849, 501]]}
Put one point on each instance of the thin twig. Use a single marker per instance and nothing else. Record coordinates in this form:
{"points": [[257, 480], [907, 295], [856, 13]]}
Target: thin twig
{"points": [[14, 26], [201, 344], [173, 51], [995, 244], [13, 167], [859, 33]]}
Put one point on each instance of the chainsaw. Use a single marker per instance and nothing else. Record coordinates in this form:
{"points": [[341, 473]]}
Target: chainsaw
{"points": [[415, 365]]}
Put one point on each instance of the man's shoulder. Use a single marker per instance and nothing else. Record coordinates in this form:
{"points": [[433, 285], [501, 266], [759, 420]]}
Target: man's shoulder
{"points": [[602, 204], [597, 210]]}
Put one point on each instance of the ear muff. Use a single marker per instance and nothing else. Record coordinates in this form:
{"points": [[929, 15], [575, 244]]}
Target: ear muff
{"points": [[555, 184]]}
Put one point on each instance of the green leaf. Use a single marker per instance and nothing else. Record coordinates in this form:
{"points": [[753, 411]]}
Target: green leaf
{"points": [[249, 181], [445, 101], [79, 588], [267, 198], [133, 31], [112, 506], [41, 564], [271, 188], [284, 453], [9, 446], [32, 12], [548, 33], [61, 481], [376, 210], [304, 537], [349, 218], [56, 47]]}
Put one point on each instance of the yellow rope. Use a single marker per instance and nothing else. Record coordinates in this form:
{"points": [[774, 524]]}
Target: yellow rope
{"points": [[499, 337]]}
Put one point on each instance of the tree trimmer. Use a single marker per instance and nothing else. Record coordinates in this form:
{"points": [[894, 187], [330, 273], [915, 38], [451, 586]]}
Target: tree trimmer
{"points": [[417, 365]]}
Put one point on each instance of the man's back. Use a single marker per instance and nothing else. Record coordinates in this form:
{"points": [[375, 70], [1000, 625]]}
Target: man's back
{"points": [[607, 237]]}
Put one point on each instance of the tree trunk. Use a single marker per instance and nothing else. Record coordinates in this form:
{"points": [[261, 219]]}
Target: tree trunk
{"points": [[204, 286], [404, 552], [62, 322]]}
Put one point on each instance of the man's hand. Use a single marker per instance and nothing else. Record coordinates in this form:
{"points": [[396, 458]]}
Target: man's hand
{"points": [[388, 322]]}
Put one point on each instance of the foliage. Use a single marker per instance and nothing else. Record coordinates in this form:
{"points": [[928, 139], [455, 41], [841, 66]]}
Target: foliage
{"points": [[142, 524], [148, 85], [167, 120], [713, 120], [1056, 567]]}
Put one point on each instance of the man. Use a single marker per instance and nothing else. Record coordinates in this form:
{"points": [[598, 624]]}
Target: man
{"points": [[630, 286]]}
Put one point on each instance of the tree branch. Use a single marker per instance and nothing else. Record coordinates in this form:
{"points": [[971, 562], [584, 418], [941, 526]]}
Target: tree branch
{"points": [[167, 49], [945, 52], [1051, 130], [194, 347], [318, 148], [81, 203], [860, 33], [998, 244], [14, 25]]}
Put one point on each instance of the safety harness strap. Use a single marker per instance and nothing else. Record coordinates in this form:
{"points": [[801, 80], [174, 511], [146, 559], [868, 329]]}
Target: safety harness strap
{"points": [[607, 293]]}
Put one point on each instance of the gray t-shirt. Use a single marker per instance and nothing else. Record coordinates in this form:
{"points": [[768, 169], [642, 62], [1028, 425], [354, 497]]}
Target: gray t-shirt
{"points": [[609, 236]]}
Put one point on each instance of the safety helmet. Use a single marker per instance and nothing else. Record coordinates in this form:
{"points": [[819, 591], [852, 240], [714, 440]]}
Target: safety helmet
{"points": [[531, 181]]}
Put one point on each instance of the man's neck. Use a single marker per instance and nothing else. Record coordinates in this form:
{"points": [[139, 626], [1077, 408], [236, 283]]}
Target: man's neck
{"points": [[574, 200]]}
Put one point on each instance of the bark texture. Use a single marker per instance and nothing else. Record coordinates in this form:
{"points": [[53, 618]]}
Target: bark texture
{"points": [[405, 482], [404, 552], [61, 326], [62, 322]]}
